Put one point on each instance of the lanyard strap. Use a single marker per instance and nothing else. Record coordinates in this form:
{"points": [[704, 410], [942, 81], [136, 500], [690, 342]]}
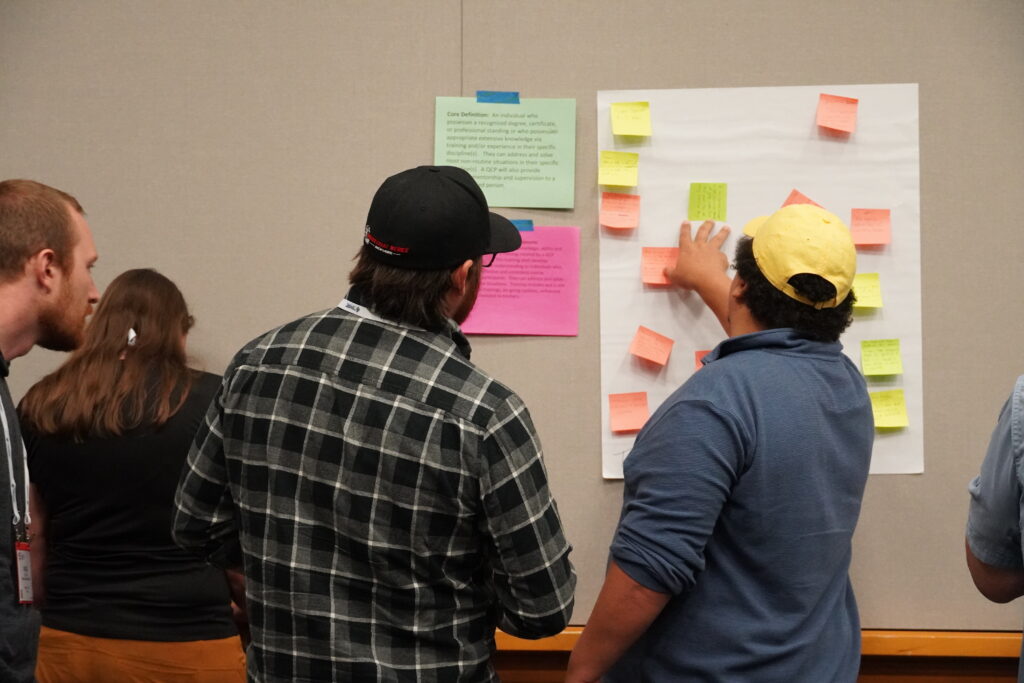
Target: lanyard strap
{"points": [[361, 311], [10, 471]]}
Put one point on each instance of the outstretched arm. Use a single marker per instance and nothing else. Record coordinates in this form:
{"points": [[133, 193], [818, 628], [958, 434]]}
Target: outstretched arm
{"points": [[701, 267]]}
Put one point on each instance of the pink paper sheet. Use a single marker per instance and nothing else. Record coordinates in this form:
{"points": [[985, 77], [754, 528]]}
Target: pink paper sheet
{"points": [[533, 290]]}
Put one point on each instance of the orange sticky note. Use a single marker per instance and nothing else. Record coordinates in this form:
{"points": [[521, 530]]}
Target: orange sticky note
{"points": [[837, 113], [627, 412], [650, 345], [870, 227], [654, 261], [698, 356], [619, 210], [798, 197]]}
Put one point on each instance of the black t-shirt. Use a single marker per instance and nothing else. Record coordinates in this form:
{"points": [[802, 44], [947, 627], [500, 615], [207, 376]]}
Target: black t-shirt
{"points": [[112, 567]]}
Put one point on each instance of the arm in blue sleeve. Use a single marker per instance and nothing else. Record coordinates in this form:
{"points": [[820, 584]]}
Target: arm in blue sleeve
{"points": [[678, 476]]}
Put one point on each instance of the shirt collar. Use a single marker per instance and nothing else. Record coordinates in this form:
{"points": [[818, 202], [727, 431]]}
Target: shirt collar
{"points": [[357, 295], [779, 339]]}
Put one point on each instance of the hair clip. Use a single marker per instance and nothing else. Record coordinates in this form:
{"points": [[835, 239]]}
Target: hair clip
{"points": [[131, 336]]}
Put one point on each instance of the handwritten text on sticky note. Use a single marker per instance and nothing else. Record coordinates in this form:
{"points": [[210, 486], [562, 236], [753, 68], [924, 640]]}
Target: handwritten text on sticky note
{"points": [[868, 290], [881, 357], [627, 412], [651, 346], [707, 201], [870, 227], [631, 118], [890, 409], [620, 211], [837, 113], [619, 169], [654, 261]]}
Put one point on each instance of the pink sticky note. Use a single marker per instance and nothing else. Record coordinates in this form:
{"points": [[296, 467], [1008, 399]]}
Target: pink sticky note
{"points": [[650, 345], [698, 356], [627, 412], [837, 113], [798, 197], [533, 290], [653, 261], [619, 210], [870, 227]]}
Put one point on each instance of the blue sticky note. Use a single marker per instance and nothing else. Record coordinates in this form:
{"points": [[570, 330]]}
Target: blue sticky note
{"points": [[522, 224], [497, 96]]}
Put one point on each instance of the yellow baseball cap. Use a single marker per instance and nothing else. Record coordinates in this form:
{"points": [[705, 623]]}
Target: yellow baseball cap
{"points": [[802, 238]]}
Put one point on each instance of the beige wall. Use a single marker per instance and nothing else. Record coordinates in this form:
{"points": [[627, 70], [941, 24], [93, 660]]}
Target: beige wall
{"points": [[235, 145]]}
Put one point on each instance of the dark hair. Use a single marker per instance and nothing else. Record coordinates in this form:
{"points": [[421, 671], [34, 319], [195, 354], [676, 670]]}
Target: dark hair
{"points": [[414, 297], [108, 386], [34, 217], [773, 308]]}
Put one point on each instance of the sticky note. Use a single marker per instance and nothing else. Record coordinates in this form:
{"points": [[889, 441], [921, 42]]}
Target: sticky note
{"points": [[627, 412], [707, 201], [837, 113], [621, 169], [650, 345], [497, 96], [868, 290], [881, 357], [654, 261], [698, 356], [870, 227], [798, 197], [889, 408], [619, 210], [631, 118], [522, 224]]}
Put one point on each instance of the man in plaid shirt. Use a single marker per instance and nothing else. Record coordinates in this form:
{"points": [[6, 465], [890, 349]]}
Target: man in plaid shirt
{"points": [[386, 499]]}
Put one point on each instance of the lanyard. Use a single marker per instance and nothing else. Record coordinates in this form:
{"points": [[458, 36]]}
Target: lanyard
{"points": [[10, 471], [361, 311]]}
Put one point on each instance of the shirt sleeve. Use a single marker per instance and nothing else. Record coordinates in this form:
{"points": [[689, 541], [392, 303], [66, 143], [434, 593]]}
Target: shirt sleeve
{"points": [[677, 478], [994, 516], [205, 520], [533, 578]]}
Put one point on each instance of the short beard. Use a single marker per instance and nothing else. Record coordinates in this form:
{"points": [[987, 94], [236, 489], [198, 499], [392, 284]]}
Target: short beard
{"points": [[60, 329]]}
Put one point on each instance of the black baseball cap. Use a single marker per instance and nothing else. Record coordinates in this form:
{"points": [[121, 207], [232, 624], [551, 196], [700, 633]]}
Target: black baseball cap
{"points": [[434, 217]]}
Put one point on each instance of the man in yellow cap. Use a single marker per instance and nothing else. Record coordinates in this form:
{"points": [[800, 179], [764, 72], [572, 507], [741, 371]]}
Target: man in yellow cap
{"points": [[742, 492]]}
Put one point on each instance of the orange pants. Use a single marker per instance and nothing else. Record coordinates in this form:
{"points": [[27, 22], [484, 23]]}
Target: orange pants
{"points": [[70, 658]]}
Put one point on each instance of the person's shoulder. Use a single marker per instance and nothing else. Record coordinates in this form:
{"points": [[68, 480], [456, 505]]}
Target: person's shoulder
{"points": [[305, 330]]}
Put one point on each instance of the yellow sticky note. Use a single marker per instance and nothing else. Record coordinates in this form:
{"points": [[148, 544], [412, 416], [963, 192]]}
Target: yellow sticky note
{"points": [[627, 412], [868, 290], [650, 345], [707, 201], [837, 113], [631, 118], [881, 357], [620, 211], [889, 408], [654, 261], [621, 169], [870, 227]]}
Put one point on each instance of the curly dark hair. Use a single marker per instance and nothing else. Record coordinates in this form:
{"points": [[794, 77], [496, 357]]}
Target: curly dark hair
{"points": [[773, 308]]}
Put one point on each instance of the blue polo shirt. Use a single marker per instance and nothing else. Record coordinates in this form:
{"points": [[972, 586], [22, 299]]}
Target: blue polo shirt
{"points": [[741, 497]]}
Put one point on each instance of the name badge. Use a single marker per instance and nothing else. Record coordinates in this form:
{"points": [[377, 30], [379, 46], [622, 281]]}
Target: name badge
{"points": [[23, 559]]}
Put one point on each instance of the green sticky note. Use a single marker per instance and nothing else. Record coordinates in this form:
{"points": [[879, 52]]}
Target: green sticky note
{"points": [[621, 169], [631, 118], [868, 290], [890, 409], [707, 201], [881, 357], [521, 155]]}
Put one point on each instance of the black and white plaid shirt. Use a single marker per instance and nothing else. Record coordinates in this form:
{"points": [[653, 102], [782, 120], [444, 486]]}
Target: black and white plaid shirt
{"points": [[386, 498]]}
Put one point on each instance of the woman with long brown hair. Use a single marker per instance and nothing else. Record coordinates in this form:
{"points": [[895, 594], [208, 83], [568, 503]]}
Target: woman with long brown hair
{"points": [[107, 436]]}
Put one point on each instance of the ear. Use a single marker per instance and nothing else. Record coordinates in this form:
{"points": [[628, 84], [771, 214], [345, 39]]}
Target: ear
{"points": [[460, 276], [737, 288], [42, 268]]}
